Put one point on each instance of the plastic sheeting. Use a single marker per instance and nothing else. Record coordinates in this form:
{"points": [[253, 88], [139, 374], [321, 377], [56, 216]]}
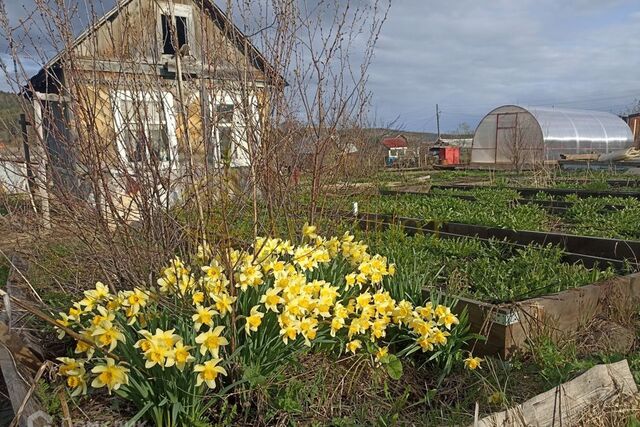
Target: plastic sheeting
{"points": [[543, 133]]}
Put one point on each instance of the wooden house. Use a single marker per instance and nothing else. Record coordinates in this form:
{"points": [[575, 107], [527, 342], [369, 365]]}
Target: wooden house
{"points": [[396, 148], [150, 85]]}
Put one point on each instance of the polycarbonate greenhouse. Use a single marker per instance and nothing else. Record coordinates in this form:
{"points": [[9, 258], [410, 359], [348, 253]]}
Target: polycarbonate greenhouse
{"points": [[525, 135]]}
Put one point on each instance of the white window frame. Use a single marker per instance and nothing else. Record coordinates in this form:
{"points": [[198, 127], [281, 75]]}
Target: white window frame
{"points": [[169, 117], [239, 142], [223, 99], [181, 10]]}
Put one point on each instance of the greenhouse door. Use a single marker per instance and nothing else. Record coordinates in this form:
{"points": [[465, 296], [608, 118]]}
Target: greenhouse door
{"points": [[507, 144]]}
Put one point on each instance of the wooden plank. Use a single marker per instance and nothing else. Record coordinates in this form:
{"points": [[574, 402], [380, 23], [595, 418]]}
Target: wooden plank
{"points": [[18, 363], [563, 405], [14, 358]]}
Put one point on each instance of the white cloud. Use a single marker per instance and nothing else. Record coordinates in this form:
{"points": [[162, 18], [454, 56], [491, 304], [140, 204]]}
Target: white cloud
{"points": [[470, 56]]}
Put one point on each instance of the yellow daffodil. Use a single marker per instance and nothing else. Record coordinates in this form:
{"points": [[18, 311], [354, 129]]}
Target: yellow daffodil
{"points": [[107, 335], [402, 312], [77, 384], [103, 314], [289, 327], [182, 355], [166, 338], [271, 299], [213, 270], [223, 303], [208, 372], [204, 252], [145, 343], [446, 318], [155, 355], [309, 231], [382, 352], [197, 298], [99, 293], [425, 343], [253, 321], [336, 324], [110, 375], [308, 328], [203, 316], [211, 341], [354, 346], [472, 363], [285, 247], [439, 337], [363, 300], [133, 301], [350, 280], [63, 321], [70, 366], [379, 328], [248, 276]]}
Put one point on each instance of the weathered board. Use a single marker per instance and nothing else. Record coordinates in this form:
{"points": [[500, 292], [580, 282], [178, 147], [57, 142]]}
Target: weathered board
{"points": [[565, 404]]}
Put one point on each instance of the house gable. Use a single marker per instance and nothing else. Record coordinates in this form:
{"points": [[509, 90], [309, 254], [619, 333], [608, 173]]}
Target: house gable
{"points": [[129, 38]]}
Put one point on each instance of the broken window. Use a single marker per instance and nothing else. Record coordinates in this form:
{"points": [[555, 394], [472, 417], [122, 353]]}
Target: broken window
{"points": [[180, 26]]}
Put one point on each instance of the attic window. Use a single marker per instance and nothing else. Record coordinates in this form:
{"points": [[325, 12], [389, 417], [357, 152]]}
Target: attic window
{"points": [[180, 26]]}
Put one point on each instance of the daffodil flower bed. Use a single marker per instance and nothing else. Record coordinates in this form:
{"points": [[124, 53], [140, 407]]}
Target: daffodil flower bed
{"points": [[205, 324]]}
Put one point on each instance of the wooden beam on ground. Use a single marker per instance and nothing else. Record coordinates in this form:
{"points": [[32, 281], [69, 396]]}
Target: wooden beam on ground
{"points": [[565, 404]]}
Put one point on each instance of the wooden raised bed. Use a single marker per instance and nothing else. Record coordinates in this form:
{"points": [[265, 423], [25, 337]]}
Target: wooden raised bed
{"points": [[552, 206], [591, 251], [532, 191], [509, 327]]}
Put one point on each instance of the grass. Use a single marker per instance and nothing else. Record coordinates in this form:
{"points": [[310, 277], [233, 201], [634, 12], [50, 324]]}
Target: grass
{"points": [[323, 390]]}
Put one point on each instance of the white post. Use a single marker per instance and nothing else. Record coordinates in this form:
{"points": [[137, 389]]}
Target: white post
{"points": [[41, 178], [355, 208]]}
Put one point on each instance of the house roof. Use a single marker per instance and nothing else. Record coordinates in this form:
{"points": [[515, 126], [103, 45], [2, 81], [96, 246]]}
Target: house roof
{"points": [[219, 17], [397, 142]]}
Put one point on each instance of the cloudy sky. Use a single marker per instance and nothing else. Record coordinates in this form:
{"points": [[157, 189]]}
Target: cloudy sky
{"points": [[470, 56]]}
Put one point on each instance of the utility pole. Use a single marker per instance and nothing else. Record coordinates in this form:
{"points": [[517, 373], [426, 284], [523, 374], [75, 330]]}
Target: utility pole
{"points": [[438, 121]]}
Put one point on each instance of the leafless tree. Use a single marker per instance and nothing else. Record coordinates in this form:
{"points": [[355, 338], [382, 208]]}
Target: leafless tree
{"points": [[149, 136]]}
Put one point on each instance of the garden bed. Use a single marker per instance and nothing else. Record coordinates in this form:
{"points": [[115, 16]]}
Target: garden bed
{"points": [[532, 191], [547, 297], [509, 328], [590, 250]]}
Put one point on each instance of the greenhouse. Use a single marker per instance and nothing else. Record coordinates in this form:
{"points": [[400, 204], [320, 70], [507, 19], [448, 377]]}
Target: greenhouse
{"points": [[518, 135]]}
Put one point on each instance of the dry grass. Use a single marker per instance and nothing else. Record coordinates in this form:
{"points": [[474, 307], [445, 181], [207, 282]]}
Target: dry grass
{"points": [[622, 411]]}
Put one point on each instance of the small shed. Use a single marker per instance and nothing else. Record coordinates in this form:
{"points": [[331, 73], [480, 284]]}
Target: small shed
{"points": [[396, 148], [633, 120], [517, 135], [446, 154]]}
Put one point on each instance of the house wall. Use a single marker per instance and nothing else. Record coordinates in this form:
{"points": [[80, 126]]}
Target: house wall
{"points": [[134, 35], [124, 54]]}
